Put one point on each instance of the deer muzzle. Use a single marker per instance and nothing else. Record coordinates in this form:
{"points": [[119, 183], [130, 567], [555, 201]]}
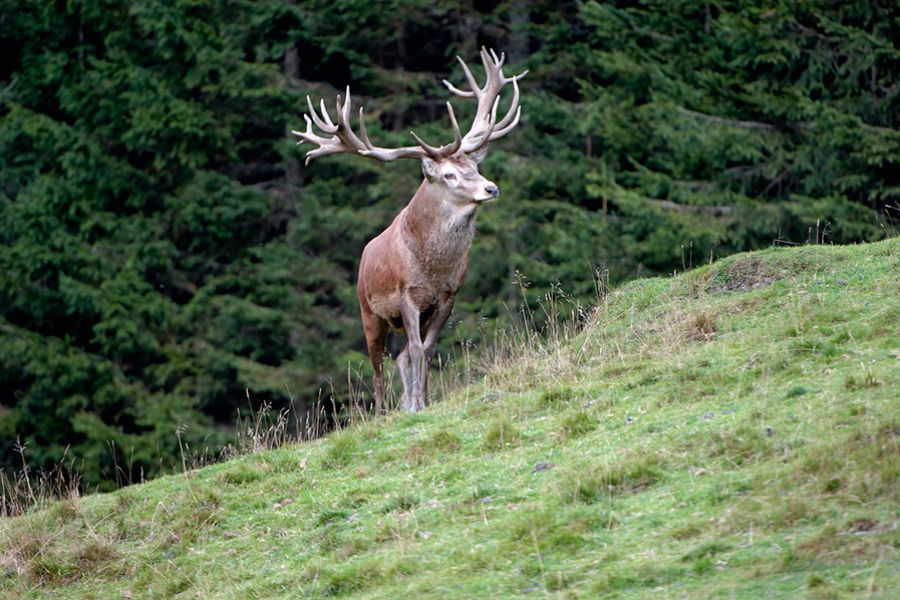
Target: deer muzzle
{"points": [[489, 193]]}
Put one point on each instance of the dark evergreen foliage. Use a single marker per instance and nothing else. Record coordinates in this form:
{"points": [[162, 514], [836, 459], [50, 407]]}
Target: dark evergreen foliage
{"points": [[165, 254]]}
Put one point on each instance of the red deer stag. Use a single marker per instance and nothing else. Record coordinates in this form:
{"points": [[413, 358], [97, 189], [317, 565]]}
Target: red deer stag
{"points": [[410, 273]]}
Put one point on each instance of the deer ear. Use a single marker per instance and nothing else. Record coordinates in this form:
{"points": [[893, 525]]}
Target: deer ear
{"points": [[429, 168], [479, 154]]}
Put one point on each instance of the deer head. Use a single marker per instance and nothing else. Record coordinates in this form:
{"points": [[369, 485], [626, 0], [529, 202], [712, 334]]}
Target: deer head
{"points": [[452, 167]]}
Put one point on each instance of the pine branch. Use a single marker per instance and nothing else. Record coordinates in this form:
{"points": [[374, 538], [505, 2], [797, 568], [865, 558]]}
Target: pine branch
{"points": [[715, 211], [724, 121]]}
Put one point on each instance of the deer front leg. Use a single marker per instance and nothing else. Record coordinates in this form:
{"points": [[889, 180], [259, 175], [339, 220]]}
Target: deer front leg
{"points": [[403, 367], [415, 391], [433, 330]]}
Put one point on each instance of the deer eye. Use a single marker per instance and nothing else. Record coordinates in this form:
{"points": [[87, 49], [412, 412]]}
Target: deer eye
{"points": [[449, 176]]}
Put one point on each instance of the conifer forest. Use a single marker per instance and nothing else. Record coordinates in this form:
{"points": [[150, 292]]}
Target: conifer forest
{"points": [[168, 263]]}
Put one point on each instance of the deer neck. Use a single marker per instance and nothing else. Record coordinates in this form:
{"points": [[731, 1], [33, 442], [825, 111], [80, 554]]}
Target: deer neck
{"points": [[438, 231]]}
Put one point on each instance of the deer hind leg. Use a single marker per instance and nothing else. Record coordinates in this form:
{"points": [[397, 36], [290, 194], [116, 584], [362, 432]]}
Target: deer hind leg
{"points": [[376, 332], [414, 388]]}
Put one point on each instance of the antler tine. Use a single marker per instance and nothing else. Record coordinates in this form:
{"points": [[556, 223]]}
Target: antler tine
{"points": [[363, 134], [308, 136], [339, 109], [346, 112], [326, 127], [482, 136], [430, 150], [493, 121], [301, 134], [490, 69], [373, 151], [473, 85], [500, 60], [457, 136], [325, 115], [513, 105], [458, 91], [499, 132], [345, 132], [450, 148], [485, 126]]}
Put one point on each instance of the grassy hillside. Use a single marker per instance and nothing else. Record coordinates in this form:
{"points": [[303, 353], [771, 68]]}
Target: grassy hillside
{"points": [[730, 432]]}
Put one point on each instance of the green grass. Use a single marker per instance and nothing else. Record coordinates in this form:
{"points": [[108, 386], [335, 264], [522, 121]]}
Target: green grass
{"points": [[730, 432]]}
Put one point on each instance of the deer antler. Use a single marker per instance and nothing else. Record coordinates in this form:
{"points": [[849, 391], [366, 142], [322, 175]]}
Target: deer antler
{"points": [[485, 127], [343, 138]]}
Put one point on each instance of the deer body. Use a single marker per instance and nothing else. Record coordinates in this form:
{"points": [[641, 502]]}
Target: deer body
{"points": [[422, 255], [410, 273], [414, 259]]}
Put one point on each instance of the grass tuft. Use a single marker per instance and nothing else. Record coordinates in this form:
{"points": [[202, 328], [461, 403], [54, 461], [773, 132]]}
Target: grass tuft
{"points": [[402, 502], [575, 424], [631, 476], [555, 396], [445, 441], [698, 326], [500, 435], [343, 447], [241, 475]]}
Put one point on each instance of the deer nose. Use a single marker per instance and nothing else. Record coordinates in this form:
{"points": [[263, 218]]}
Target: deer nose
{"points": [[492, 190]]}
